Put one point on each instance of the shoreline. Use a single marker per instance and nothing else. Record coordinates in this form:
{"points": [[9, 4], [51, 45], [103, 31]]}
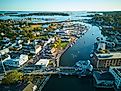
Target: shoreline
{"points": [[43, 83], [70, 45], [45, 80]]}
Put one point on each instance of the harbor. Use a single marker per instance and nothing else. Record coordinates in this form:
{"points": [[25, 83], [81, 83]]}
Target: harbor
{"points": [[79, 51], [65, 56]]}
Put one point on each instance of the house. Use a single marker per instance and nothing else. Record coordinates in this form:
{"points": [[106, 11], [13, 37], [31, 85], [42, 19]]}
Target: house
{"points": [[60, 32], [36, 33], [27, 42], [16, 47], [4, 57], [65, 39], [16, 25], [18, 31], [107, 27], [52, 33], [45, 26], [35, 49], [18, 40], [6, 40], [17, 62], [110, 44], [4, 51]]}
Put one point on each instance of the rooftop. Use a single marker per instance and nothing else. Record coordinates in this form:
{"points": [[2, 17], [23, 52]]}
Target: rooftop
{"points": [[11, 60], [112, 55], [117, 70], [43, 62], [104, 75]]}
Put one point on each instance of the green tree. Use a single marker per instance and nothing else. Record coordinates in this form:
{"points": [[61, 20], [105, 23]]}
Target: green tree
{"points": [[57, 44], [12, 77]]}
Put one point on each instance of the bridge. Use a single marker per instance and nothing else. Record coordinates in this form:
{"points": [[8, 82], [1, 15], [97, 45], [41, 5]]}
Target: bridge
{"points": [[59, 70]]}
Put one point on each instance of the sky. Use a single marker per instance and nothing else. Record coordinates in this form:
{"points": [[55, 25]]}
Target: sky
{"points": [[61, 5]]}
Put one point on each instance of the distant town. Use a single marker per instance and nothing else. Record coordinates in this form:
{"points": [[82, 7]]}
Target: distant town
{"points": [[36, 47]]}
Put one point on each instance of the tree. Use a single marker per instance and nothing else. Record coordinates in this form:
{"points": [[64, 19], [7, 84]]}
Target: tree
{"points": [[12, 77], [57, 44]]}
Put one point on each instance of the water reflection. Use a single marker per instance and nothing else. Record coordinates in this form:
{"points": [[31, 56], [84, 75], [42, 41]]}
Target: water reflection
{"points": [[82, 48]]}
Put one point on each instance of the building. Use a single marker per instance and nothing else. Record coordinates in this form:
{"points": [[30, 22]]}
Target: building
{"points": [[17, 62], [4, 51], [116, 72], [45, 26], [106, 60], [107, 27], [43, 62], [101, 46], [4, 57], [5, 40], [103, 79], [36, 49]]}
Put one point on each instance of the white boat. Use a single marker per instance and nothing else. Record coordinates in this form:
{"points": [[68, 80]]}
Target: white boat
{"points": [[91, 55], [83, 64]]}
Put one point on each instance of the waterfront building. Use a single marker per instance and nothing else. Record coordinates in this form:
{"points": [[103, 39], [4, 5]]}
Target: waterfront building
{"points": [[103, 79], [107, 27], [101, 45], [110, 45], [106, 60], [16, 62], [65, 39], [116, 72]]}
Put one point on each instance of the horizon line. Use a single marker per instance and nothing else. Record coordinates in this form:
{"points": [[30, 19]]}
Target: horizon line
{"points": [[64, 10]]}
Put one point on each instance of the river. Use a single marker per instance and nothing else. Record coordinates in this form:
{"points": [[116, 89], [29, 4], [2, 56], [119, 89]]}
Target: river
{"points": [[82, 48], [79, 51]]}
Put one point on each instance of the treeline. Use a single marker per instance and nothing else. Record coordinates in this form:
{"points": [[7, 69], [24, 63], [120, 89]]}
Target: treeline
{"points": [[107, 18], [43, 14]]}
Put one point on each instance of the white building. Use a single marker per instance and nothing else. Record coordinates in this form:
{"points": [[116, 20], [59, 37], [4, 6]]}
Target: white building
{"points": [[17, 62], [116, 72], [101, 46], [106, 60], [4, 51], [43, 62], [36, 49], [18, 41]]}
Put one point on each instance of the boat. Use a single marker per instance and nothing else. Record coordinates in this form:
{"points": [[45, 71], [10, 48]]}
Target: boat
{"points": [[83, 75], [91, 55], [84, 64]]}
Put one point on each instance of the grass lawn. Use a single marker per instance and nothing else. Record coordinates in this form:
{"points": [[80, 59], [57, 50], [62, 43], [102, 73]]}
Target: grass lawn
{"points": [[64, 44]]}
